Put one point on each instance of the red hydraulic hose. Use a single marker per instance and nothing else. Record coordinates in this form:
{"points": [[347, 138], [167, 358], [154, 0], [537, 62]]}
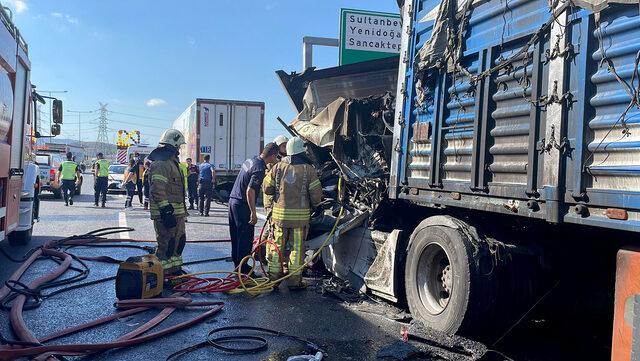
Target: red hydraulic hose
{"points": [[195, 284]]}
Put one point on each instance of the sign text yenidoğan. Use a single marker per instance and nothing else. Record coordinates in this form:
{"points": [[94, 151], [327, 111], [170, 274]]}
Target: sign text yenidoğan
{"points": [[368, 35], [373, 33]]}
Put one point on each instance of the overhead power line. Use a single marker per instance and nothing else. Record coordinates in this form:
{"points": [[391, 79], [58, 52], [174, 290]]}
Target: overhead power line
{"points": [[140, 116]]}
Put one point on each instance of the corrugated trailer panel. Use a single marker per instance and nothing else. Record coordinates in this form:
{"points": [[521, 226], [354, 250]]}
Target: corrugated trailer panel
{"points": [[491, 144], [604, 170], [415, 162]]}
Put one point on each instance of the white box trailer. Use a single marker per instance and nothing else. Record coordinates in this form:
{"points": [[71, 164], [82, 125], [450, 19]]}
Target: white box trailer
{"points": [[230, 131]]}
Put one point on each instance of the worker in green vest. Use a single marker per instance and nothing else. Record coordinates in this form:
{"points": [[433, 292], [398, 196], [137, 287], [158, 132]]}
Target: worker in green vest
{"points": [[69, 174], [101, 176], [184, 169]]}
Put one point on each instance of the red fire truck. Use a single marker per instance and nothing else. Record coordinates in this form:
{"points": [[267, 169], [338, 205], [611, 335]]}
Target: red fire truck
{"points": [[18, 101]]}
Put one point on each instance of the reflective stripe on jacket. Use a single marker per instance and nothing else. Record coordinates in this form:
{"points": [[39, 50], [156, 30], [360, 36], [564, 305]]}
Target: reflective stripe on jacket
{"points": [[166, 186], [291, 190]]}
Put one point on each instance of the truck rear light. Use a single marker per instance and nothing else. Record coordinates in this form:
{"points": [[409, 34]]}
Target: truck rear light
{"points": [[617, 213], [52, 173]]}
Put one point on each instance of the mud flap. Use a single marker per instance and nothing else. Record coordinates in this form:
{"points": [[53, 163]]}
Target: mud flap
{"points": [[380, 277]]}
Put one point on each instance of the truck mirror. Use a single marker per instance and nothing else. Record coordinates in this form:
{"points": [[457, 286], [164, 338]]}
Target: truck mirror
{"points": [[55, 129], [57, 111]]}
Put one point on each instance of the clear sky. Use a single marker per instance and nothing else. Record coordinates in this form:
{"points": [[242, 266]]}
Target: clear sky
{"points": [[152, 58]]}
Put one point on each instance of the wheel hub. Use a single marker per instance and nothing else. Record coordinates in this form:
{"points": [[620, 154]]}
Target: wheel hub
{"points": [[435, 278]]}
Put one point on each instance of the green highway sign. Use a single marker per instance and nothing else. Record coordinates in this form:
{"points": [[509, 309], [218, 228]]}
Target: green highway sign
{"points": [[368, 35]]}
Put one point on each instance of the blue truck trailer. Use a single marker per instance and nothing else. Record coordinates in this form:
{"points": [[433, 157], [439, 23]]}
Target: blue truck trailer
{"points": [[506, 150]]}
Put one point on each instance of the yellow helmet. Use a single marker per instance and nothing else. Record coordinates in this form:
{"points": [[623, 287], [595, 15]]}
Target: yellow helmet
{"points": [[172, 137]]}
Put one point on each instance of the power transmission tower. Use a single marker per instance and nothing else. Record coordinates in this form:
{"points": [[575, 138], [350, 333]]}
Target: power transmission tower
{"points": [[102, 140]]}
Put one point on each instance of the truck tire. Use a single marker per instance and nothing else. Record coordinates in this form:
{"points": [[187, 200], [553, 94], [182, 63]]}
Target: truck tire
{"points": [[19, 238], [444, 286]]}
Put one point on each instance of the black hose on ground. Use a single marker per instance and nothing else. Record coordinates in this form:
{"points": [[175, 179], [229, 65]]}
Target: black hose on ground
{"points": [[36, 296], [253, 343]]}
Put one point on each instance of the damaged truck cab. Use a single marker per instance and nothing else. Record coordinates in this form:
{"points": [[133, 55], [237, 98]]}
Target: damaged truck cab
{"points": [[501, 147]]}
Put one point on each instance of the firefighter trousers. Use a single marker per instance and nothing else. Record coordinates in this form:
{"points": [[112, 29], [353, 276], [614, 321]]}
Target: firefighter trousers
{"points": [[171, 242], [291, 242]]}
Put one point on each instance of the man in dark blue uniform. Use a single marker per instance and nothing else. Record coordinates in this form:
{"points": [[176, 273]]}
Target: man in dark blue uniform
{"points": [[242, 203], [207, 181]]}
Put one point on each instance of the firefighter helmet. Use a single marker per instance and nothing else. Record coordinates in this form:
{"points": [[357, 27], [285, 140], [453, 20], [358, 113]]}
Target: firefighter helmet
{"points": [[295, 146], [172, 137], [280, 139]]}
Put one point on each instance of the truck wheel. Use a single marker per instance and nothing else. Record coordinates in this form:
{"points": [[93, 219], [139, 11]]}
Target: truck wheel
{"points": [[444, 287], [19, 238]]}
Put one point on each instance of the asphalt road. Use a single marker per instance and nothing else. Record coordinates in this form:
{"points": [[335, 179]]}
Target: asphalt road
{"points": [[346, 334], [367, 331]]}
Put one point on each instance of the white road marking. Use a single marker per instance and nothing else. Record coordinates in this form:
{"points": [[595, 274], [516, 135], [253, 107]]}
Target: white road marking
{"points": [[122, 222]]}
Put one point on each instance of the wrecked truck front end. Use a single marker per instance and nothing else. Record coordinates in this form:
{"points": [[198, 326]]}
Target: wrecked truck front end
{"points": [[345, 115]]}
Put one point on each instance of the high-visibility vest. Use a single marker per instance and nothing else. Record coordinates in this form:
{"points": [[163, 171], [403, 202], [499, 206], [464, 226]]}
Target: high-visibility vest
{"points": [[184, 169], [104, 167], [68, 170]]}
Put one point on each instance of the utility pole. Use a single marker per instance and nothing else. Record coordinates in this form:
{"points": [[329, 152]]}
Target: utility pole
{"points": [[102, 140], [79, 112]]}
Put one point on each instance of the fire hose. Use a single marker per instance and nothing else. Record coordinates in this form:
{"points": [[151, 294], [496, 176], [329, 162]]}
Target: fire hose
{"points": [[17, 293], [237, 282], [29, 346]]}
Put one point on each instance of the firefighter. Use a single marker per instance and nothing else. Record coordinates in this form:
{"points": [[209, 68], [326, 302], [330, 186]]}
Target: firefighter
{"points": [[281, 142], [69, 174], [167, 194], [101, 176], [242, 203], [292, 190]]}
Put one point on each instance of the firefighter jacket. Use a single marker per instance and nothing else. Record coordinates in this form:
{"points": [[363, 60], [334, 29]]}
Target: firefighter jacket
{"points": [[291, 188], [166, 182]]}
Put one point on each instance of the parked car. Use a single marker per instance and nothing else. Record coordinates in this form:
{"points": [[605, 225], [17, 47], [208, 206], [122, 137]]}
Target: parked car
{"points": [[47, 174], [48, 165], [116, 178]]}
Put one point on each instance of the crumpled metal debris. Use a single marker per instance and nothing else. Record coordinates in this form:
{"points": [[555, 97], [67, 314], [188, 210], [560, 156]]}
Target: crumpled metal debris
{"points": [[340, 289]]}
